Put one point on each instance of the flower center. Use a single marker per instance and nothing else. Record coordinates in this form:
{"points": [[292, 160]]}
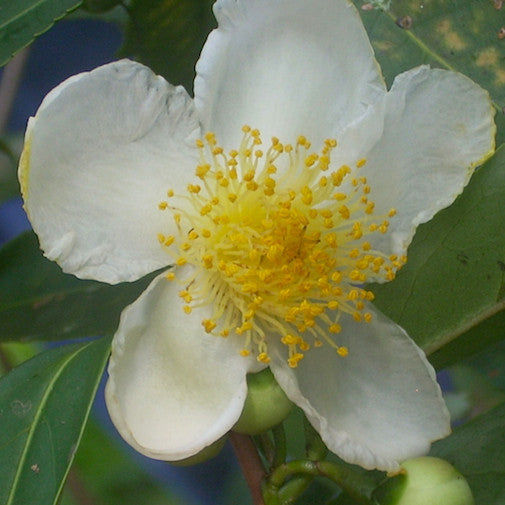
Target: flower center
{"points": [[279, 243]]}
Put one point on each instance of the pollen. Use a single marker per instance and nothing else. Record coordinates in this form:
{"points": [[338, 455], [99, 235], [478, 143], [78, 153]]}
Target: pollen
{"points": [[281, 243]]}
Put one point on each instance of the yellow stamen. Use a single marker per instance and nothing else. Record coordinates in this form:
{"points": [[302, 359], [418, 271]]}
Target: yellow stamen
{"points": [[277, 253]]}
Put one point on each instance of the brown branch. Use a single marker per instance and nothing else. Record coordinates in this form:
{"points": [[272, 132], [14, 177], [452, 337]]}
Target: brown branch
{"points": [[11, 79], [78, 490], [250, 463]]}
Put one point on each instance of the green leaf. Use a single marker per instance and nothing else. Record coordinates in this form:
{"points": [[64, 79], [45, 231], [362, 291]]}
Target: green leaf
{"points": [[456, 35], [453, 281], [22, 20], [39, 302], [476, 450], [168, 35], [45, 404]]}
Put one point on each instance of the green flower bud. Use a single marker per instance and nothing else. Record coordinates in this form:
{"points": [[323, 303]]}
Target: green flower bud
{"points": [[266, 404], [211, 451], [425, 481]]}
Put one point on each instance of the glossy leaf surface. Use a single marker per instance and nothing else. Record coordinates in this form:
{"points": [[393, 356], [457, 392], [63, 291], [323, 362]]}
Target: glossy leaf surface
{"points": [[39, 302], [454, 278], [476, 450], [44, 406], [22, 20]]}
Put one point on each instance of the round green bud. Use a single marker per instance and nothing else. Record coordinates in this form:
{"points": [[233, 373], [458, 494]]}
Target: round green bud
{"points": [[98, 6], [425, 481], [266, 404], [211, 451]]}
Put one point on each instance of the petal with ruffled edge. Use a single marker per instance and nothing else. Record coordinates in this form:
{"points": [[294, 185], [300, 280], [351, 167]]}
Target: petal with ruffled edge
{"points": [[437, 126], [286, 67], [173, 389], [377, 406], [99, 156]]}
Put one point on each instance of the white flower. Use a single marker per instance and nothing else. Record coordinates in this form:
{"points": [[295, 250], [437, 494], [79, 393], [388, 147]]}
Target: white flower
{"points": [[272, 243]]}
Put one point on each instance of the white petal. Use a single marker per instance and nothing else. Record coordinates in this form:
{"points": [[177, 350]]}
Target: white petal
{"points": [[377, 406], [438, 127], [287, 67], [173, 389], [100, 154]]}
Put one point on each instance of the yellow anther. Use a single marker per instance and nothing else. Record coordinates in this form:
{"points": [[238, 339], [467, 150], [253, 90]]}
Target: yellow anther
{"points": [[304, 346], [202, 170], [263, 357], [245, 352], [269, 182], [208, 325], [187, 309], [161, 238], [307, 197], [162, 205], [194, 188], [295, 359], [289, 340], [205, 209], [208, 261], [369, 207], [181, 261], [342, 351], [170, 276], [335, 328], [361, 163], [353, 294], [344, 211], [367, 317], [210, 138], [249, 175], [354, 253], [311, 159]]}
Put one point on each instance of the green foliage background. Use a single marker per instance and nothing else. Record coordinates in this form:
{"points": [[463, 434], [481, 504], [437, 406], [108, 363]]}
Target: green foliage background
{"points": [[450, 297]]}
